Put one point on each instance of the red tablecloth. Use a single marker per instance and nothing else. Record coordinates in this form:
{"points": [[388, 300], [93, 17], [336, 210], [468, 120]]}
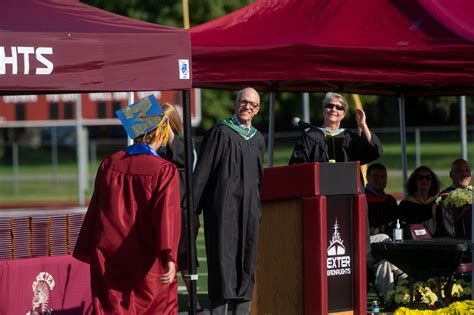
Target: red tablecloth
{"points": [[58, 283]]}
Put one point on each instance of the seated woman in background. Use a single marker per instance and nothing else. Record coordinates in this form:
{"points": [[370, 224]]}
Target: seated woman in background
{"points": [[417, 207]]}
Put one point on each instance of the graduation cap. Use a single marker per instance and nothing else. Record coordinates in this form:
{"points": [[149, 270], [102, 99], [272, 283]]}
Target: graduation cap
{"points": [[141, 116]]}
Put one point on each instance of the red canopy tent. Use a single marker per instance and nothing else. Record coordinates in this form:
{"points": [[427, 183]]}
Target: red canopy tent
{"points": [[366, 46], [59, 46], [65, 45], [455, 15]]}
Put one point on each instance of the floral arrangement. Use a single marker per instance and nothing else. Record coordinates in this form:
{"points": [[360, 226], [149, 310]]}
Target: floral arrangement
{"points": [[458, 198], [456, 308], [425, 294]]}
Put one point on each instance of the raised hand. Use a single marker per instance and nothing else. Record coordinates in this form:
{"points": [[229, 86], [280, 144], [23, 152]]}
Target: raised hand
{"points": [[360, 118]]}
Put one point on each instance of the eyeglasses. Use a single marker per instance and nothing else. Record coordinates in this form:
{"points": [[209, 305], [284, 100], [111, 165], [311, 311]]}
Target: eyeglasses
{"points": [[243, 103], [331, 106], [427, 177]]}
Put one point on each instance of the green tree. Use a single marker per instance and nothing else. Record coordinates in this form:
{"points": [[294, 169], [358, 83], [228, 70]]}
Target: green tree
{"points": [[169, 12]]}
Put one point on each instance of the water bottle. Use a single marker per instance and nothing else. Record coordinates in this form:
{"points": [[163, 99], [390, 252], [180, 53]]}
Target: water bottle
{"points": [[397, 232], [375, 307]]}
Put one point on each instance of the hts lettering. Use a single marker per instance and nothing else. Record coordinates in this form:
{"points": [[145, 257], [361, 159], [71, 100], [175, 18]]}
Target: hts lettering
{"points": [[21, 56]]}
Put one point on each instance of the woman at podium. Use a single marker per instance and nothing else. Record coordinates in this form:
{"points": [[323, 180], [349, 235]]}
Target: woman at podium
{"points": [[331, 143]]}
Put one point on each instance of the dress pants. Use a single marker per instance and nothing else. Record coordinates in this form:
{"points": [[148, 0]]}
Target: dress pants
{"points": [[385, 272], [239, 307]]}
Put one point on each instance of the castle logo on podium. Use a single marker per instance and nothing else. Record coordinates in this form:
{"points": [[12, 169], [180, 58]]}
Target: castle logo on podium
{"points": [[337, 262]]}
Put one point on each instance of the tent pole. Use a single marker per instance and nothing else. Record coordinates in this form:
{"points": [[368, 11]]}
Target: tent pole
{"points": [[186, 14], [271, 128], [81, 153], [403, 139], [462, 114], [462, 105], [306, 114], [131, 100], [358, 104], [192, 277]]}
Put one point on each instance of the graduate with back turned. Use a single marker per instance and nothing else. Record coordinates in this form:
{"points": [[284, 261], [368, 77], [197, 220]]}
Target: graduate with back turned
{"points": [[131, 230]]}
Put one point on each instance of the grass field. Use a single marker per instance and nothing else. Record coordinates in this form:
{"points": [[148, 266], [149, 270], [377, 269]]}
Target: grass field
{"points": [[202, 272]]}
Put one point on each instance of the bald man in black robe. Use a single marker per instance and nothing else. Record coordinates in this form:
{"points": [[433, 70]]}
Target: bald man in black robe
{"points": [[227, 181]]}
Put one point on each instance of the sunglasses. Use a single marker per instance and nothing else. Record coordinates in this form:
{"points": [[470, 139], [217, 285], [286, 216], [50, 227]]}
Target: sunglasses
{"points": [[427, 177], [331, 106]]}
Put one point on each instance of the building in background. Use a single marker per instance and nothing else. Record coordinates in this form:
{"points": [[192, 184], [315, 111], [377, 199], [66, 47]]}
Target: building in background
{"points": [[54, 107]]}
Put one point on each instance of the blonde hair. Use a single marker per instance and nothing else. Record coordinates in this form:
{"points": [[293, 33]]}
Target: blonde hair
{"points": [[174, 119]]}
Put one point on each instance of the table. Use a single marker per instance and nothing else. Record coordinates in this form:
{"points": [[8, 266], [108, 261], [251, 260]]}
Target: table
{"points": [[422, 259], [59, 283]]}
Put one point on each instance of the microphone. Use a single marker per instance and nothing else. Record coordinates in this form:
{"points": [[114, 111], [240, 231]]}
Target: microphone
{"points": [[296, 121]]}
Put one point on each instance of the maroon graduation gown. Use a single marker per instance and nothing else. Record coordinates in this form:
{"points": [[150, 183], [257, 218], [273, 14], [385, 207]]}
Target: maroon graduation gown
{"points": [[132, 225]]}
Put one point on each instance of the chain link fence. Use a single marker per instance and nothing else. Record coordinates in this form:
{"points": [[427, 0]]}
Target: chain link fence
{"points": [[42, 166]]}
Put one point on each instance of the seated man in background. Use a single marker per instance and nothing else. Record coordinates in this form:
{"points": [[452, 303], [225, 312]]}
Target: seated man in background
{"points": [[382, 210], [382, 207], [455, 222]]}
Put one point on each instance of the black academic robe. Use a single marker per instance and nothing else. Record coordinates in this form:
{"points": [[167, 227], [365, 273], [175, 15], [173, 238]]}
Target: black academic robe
{"points": [[174, 152], [383, 212], [415, 210], [314, 146], [226, 184]]}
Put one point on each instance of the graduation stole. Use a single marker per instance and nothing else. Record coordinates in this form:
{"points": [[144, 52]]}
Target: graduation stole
{"points": [[418, 200], [234, 124], [331, 133]]}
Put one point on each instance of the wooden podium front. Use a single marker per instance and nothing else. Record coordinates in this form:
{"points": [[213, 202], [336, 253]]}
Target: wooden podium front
{"points": [[311, 250]]}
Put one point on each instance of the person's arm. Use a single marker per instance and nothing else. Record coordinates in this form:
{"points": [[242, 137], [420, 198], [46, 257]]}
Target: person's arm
{"points": [[367, 147], [302, 150], [362, 124], [166, 214], [85, 244], [169, 272]]}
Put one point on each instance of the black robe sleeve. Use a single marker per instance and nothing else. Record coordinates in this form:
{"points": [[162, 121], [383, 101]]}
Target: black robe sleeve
{"points": [[363, 151], [306, 150], [210, 153]]}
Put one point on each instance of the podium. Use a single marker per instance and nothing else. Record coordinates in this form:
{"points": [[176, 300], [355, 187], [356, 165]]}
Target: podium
{"points": [[311, 254]]}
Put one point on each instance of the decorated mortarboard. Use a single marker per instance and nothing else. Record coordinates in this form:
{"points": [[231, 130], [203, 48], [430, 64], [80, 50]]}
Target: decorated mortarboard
{"points": [[141, 116]]}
